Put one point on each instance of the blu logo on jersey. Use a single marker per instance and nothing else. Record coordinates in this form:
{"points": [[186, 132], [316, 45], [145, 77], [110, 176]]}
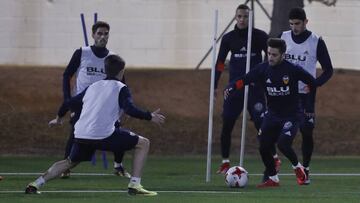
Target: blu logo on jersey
{"points": [[243, 55], [278, 91], [293, 57], [94, 70]]}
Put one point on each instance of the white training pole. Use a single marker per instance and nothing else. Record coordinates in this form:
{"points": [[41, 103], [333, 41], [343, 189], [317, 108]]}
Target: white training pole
{"points": [[248, 56], [211, 103]]}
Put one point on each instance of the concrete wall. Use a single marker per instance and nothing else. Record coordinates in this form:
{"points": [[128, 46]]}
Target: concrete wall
{"points": [[153, 33]]}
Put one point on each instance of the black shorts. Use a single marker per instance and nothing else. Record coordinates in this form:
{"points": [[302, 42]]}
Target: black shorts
{"points": [[121, 140]]}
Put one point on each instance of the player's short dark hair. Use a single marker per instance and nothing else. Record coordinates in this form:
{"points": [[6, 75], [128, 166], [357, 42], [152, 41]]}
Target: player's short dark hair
{"points": [[277, 43], [100, 24], [113, 65], [297, 13], [243, 6]]}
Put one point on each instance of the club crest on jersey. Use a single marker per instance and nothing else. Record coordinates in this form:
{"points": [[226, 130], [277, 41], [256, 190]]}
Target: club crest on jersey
{"points": [[285, 79]]}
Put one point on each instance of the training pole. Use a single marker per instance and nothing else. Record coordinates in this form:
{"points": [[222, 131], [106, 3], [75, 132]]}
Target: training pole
{"points": [[84, 29], [95, 17], [211, 102], [246, 91]]}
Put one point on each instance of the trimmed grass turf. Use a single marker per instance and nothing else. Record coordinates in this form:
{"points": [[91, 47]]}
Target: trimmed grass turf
{"points": [[182, 179]]}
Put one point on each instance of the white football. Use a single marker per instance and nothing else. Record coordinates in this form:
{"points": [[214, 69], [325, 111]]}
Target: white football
{"points": [[236, 176]]}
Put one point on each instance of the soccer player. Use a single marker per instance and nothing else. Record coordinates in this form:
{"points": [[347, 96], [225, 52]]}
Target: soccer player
{"points": [[236, 42], [87, 64], [101, 104], [280, 124], [305, 48]]}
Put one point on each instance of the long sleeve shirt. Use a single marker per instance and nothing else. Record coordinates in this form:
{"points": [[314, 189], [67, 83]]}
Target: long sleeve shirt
{"points": [[235, 42], [281, 85]]}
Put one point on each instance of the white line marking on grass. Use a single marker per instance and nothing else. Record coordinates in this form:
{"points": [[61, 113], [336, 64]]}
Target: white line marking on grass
{"points": [[164, 191], [125, 191], [110, 174], [315, 174], [72, 174]]}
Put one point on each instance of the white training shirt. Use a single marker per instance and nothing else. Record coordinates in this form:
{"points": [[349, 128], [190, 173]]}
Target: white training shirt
{"points": [[91, 69], [303, 54], [100, 110]]}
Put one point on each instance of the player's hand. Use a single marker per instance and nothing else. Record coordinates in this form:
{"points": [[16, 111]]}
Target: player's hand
{"points": [[157, 117], [227, 92], [307, 89], [56, 121]]}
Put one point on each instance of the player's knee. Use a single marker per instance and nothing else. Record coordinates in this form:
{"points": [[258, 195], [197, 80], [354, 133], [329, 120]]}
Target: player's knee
{"points": [[307, 129], [308, 124], [144, 142], [283, 145], [264, 147]]}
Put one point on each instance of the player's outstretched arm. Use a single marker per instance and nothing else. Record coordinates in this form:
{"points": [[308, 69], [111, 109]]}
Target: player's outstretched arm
{"points": [[157, 118], [56, 121], [74, 103]]}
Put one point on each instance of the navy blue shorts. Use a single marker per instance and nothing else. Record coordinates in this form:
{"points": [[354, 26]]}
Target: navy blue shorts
{"points": [[121, 140], [274, 128]]}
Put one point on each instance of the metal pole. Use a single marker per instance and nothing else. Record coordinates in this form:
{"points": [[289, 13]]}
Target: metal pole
{"points": [[211, 103], [84, 29], [248, 56]]}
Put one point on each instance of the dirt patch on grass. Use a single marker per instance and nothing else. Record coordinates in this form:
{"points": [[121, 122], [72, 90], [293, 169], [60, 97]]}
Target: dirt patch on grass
{"points": [[29, 98]]}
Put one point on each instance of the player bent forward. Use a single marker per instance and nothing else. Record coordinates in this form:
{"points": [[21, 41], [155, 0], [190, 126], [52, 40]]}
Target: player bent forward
{"points": [[280, 124], [101, 103]]}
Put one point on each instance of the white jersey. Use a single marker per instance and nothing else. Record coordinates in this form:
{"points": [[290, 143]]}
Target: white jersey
{"points": [[303, 54], [91, 70], [100, 110]]}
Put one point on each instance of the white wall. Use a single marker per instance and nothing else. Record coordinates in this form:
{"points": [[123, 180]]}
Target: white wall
{"points": [[153, 33]]}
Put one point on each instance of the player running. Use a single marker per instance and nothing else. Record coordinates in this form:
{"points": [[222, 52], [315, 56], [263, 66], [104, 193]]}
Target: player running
{"points": [[101, 104], [280, 80]]}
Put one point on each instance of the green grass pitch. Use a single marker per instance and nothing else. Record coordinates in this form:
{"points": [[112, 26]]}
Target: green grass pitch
{"points": [[181, 179]]}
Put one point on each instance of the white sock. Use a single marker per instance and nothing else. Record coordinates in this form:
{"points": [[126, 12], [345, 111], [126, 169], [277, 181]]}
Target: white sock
{"points": [[275, 156], [39, 182], [297, 166], [274, 178], [135, 180], [226, 161], [116, 165]]}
